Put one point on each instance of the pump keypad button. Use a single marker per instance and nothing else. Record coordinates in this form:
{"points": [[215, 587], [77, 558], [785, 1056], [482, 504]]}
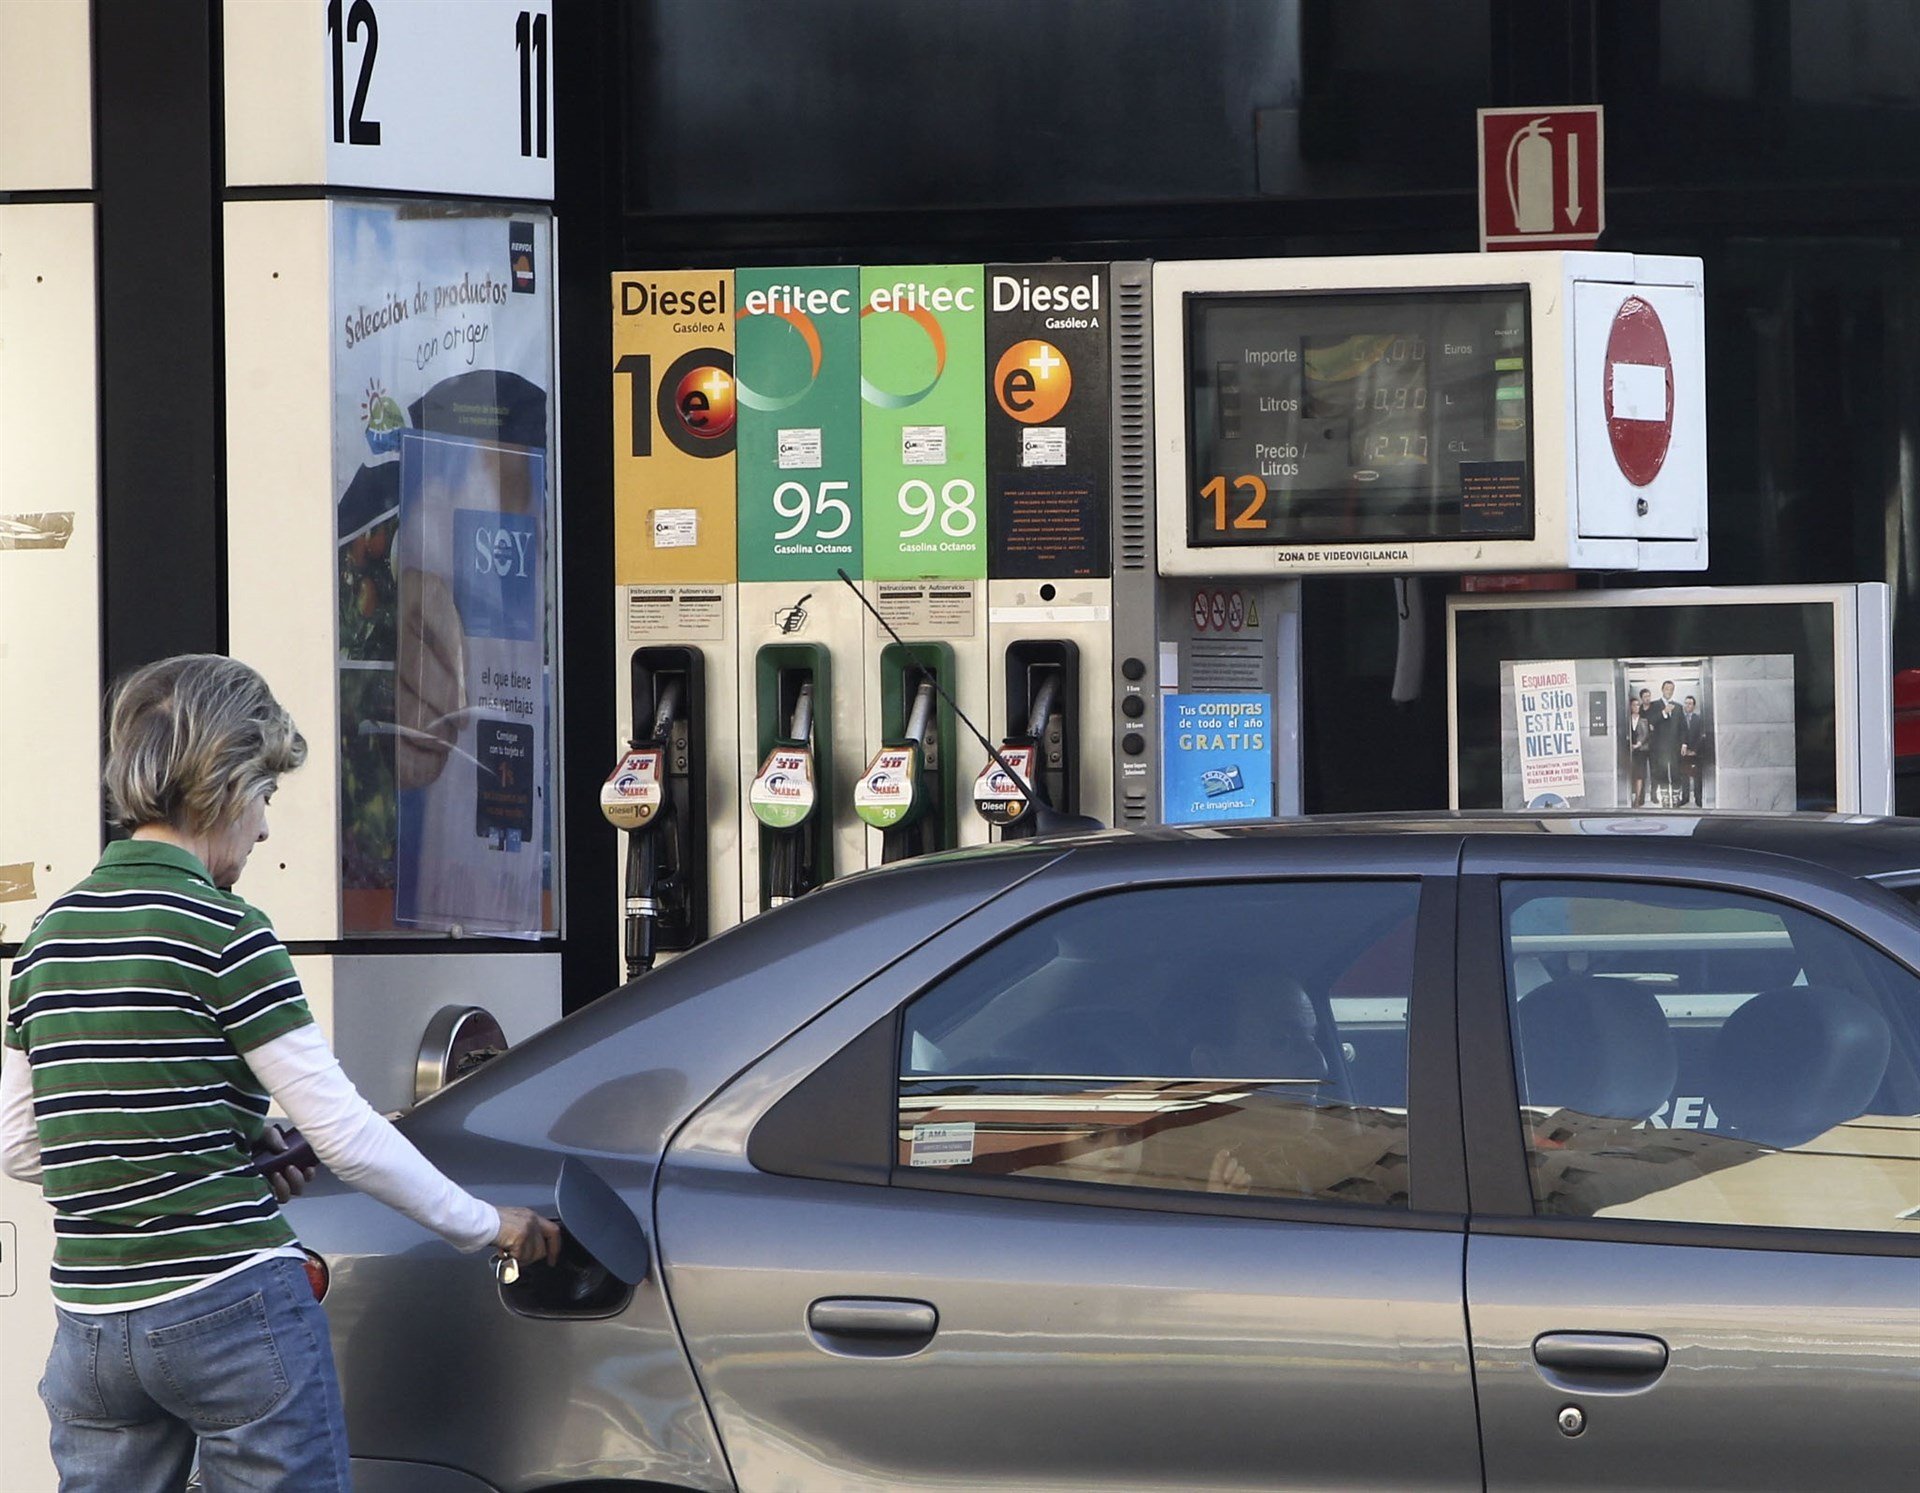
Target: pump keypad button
{"points": [[1133, 707], [1133, 669], [1133, 743]]}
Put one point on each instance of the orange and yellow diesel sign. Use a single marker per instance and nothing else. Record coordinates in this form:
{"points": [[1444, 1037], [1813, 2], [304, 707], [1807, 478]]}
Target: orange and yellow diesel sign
{"points": [[673, 427]]}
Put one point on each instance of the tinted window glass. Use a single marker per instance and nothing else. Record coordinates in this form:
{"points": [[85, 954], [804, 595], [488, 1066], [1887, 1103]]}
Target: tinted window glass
{"points": [[1703, 1056], [1241, 1039]]}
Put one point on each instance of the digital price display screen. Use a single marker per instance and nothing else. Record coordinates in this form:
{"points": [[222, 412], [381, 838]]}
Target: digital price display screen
{"points": [[1371, 416]]}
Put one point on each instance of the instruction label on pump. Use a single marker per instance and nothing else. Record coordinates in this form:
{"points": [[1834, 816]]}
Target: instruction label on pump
{"points": [[783, 794], [632, 793], [884, 795]]}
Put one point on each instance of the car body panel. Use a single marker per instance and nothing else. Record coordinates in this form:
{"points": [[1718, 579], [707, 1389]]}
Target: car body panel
{"points": [[1791, 1352], [434, 1367], [1086, 1337], [1107, 1346]]}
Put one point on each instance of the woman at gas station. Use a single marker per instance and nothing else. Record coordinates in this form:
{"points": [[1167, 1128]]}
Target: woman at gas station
{"points": [[151, 1019]]}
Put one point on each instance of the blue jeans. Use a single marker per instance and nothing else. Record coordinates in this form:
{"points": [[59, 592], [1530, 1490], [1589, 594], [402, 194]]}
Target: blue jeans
{"points": [[243, 1369]]}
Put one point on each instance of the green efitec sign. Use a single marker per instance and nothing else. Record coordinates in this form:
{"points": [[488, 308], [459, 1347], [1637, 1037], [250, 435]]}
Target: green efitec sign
{"points": [[797, 379], [923, 430]]}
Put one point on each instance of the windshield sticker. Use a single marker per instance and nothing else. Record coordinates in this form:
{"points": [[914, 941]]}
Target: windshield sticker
{"points": [[942, 1145]]}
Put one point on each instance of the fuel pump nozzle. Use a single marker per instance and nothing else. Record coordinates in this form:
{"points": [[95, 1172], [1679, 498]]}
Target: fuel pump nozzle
{"points": [[782, 797], [890, 795], [1045, 702], [1013, 788], [634, 798], [920, 717], [1046, 820]]}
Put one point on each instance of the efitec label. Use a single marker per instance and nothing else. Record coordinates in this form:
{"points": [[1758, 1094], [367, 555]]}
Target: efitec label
{"points": [[797, 369], [923, 425]]}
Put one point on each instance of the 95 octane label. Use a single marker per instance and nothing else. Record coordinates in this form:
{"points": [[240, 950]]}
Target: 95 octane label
{"points": [[942, 1145], [9, 1258]]}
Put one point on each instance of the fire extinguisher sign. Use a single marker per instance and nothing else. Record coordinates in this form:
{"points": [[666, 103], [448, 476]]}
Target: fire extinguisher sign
{"points": [[1542, 178]]}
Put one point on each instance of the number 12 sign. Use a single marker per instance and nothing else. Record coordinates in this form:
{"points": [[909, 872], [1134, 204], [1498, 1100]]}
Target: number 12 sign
{"points": [[432, 96], [426, 96]]}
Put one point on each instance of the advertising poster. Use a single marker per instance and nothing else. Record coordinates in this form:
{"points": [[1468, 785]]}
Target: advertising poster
{"points": [[1546, 715], [1217, 762], [1048, 420], [442, 372], [675, 422], [797, 365], [1653, 733], [923, 429]]}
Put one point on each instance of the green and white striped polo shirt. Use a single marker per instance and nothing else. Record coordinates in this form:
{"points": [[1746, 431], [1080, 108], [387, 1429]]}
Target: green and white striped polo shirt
{"points": [[134, 998]]}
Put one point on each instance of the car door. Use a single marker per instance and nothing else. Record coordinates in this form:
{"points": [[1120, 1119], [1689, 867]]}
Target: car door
{"points": [[1693, 1114], [1109, 1189]]}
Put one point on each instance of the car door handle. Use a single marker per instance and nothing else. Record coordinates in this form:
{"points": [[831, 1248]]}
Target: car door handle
{"points": [[875, 1324], [1601, 1358]]}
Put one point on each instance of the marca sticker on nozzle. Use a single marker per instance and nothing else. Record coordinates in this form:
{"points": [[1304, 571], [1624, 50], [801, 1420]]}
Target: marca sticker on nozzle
{"points": [[942, 1145]]}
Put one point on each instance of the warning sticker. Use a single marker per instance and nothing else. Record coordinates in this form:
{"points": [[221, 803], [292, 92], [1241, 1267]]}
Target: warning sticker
{"points": [[675, 528], [942, 1145]]}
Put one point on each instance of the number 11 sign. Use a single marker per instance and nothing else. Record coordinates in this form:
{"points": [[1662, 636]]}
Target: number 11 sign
{"points": [[405, 95]]}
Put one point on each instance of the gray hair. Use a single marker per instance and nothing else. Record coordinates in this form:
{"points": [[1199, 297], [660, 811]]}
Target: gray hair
{"points": [[190, 740]]}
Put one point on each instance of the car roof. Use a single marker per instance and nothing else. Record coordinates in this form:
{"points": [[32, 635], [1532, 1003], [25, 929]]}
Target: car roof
{"points": [[1879, 849]]}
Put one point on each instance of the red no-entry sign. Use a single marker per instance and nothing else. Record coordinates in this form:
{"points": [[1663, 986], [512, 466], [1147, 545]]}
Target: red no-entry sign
{"points": [[1542, 181]]}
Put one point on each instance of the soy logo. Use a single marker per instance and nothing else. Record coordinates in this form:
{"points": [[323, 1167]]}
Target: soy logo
{"points": [[496, 575]]}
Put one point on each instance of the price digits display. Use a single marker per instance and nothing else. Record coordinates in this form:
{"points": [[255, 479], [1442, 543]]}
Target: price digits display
{"points": [[1375, 416]]}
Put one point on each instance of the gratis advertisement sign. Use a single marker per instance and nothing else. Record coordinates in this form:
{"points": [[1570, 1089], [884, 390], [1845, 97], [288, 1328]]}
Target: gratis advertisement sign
{"points": [[797, 372], [442, 376], [923, 435], [1048, 421], [1217, 762]]}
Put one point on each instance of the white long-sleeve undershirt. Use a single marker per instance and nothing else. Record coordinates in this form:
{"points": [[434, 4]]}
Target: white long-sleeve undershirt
{"points": [[360, 1147], [19, 1141]]}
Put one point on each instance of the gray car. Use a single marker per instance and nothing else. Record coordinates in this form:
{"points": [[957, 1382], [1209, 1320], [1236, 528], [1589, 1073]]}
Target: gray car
{"points": [[1500, 1153]]}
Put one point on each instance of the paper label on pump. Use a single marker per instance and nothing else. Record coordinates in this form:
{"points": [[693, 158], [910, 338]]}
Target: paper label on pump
{"points": [[632, 792], [884, 795], [995, 794], [924, 446], [782, 796]]}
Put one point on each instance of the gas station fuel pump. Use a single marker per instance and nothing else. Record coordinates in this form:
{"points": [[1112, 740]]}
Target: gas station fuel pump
{"points": [[1043, 690], [907, 790], [657, 794], [792, 795]]}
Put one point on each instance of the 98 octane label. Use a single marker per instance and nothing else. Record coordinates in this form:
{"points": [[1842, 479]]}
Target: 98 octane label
{"points": [[923, 429]]}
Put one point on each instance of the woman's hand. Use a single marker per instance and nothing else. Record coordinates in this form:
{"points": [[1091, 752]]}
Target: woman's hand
{"points": [[287, 1182], [526, 1236]]}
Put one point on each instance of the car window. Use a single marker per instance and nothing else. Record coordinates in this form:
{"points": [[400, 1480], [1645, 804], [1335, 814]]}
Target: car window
{"points": [[1242, 1039], [1706, 1056]]}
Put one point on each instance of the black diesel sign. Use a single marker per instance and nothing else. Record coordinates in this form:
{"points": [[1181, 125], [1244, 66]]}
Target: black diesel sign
{"points": [[1048, 421]]}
